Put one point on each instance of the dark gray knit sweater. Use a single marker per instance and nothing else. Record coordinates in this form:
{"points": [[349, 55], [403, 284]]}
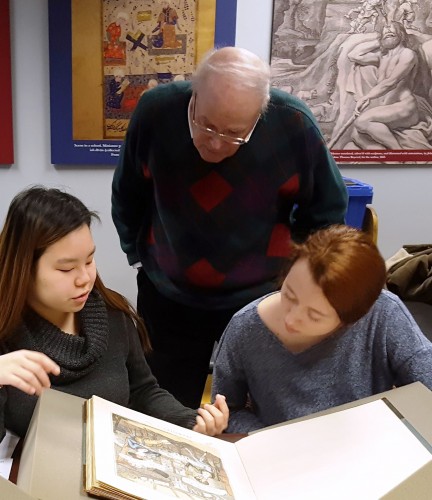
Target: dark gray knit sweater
{"points": [[106, 360]]}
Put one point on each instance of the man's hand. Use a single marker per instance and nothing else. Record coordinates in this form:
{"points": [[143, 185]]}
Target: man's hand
{"points": [[27, 370], [213, 419]]}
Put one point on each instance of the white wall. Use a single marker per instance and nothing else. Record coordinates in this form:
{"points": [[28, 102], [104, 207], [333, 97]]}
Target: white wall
{"points": [[30, 80], [402, 195]]}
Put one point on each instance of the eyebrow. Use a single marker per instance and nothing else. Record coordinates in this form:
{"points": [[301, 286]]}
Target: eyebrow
{"points": [[68, 261]]}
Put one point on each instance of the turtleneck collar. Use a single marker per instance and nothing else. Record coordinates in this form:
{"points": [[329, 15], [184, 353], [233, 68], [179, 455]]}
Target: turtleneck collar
{"points": [[75, 354]]}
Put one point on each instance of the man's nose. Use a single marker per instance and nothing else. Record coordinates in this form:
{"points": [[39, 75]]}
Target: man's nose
{"points": [[216, 142]]}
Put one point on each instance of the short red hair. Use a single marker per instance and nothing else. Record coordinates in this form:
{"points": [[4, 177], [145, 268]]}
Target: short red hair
{"points": [[347, 266]]}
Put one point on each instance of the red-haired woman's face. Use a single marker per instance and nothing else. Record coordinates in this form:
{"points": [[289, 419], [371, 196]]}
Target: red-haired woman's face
{"points": [[306, 311]]}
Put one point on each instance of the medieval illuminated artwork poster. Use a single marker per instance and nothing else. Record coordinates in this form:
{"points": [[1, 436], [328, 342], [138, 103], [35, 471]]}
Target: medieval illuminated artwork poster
{"points": [[104, 54], [146, 43], [364, 69]]}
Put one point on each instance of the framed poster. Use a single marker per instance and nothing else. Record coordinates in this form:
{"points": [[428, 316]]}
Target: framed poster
{"points": [[105, 53], [6, 129], [364, 68]]}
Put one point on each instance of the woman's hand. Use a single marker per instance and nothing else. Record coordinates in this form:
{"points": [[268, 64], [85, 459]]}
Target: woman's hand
{"points": [[27, 370], [213, 419]]}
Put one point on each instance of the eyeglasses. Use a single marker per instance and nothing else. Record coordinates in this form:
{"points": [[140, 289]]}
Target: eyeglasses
{"points": [[225, 137]]}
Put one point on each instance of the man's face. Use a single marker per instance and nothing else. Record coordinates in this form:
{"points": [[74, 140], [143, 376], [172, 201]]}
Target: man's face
{"points": [[390, 37], [224, 110]]}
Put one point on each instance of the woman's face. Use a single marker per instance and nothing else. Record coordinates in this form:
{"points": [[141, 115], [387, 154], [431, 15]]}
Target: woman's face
{"points": [[306, 311], [64, 276]]}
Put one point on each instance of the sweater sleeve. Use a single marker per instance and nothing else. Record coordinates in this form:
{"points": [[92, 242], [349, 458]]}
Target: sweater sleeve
{"points": [[230, 380], [409, 351], [132, 192], [146, 396], [324, 200]]}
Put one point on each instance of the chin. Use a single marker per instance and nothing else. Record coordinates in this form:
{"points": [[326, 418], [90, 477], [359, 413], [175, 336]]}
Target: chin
{"points": [[390, 43], [77, 307], [212, 157]]}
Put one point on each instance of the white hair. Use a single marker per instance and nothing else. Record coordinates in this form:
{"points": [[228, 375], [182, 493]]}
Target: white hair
{"points": [[241, 68]]}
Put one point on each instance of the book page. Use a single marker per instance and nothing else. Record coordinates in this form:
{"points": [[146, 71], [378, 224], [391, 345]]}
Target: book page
{"points": [[362, 452], [150, 458], [7, 447]]}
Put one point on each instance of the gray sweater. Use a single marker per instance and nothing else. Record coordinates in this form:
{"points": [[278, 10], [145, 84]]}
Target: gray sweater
{"points": [[106, 360], [265, 384]]}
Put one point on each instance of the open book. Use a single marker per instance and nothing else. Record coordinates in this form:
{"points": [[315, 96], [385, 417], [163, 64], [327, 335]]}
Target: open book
{"points": [[362, 452]]}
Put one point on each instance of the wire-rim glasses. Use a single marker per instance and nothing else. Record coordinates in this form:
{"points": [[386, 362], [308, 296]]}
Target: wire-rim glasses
{"points": [[239, 141]]}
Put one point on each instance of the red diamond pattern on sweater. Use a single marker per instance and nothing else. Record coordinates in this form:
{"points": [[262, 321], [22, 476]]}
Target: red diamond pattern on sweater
{"points": [[280, 242], [210, 191], [151, 237], [203, 274], [291, 186], [146, 171]]}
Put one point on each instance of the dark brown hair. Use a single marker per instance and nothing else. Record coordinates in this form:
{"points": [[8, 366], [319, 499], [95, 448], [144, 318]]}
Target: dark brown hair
{"points": [[37, 218], [346, 265]]}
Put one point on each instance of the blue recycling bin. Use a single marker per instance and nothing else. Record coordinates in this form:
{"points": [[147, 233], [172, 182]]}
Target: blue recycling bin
{"points": [[360, 194]]}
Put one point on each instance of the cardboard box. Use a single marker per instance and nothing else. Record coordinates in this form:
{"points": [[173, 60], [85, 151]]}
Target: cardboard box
{"points": [[52, 457], [51, 465], [8, 491]]}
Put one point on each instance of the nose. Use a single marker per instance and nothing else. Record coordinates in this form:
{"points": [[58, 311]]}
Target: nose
{"points": [[216, 143], [293, 317], [83, 277]]}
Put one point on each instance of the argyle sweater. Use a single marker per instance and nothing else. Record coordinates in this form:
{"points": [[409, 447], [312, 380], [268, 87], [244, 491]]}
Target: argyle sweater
{"points": [[215, 235], [265, 384], [105, 360]]}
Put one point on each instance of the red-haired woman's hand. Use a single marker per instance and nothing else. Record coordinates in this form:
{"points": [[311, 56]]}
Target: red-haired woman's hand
{"points": [[212, 419]]}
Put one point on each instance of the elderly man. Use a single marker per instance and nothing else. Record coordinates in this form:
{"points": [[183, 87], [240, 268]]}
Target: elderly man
{"points": [[214, 178]]}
